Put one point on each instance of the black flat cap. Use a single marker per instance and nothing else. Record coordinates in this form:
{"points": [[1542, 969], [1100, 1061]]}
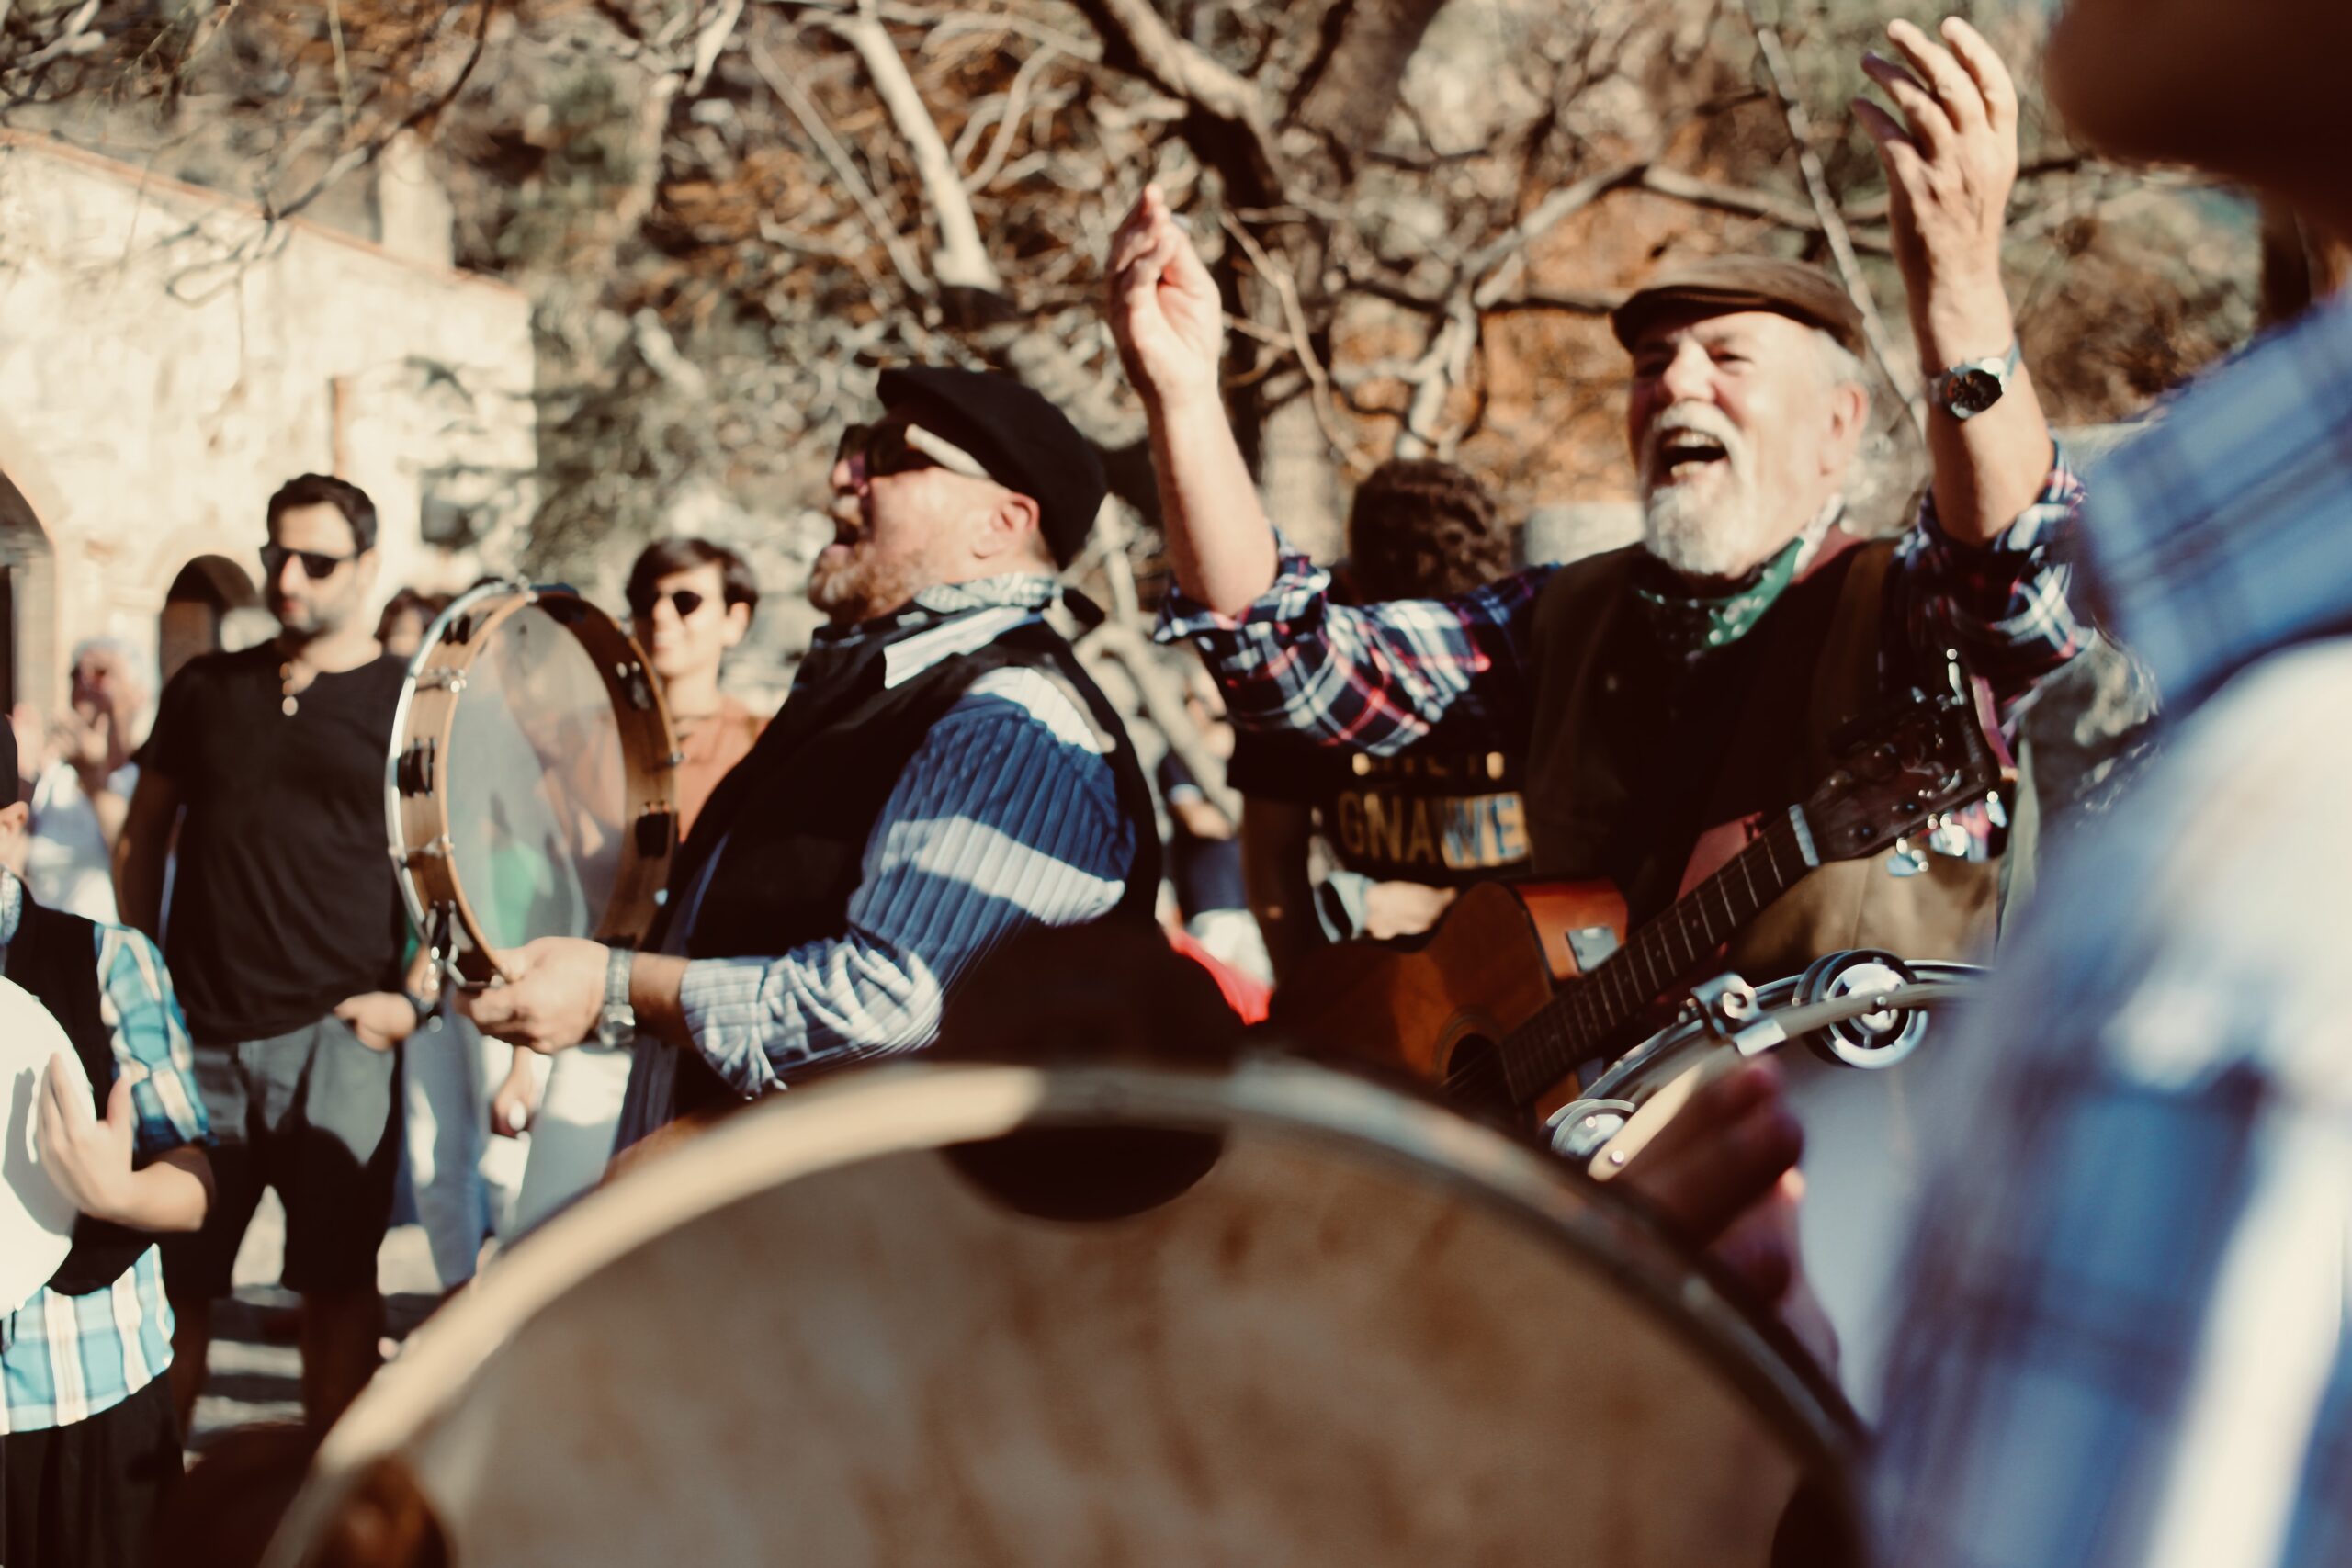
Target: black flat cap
{"points": [[1026, 443], [1723, 283]]}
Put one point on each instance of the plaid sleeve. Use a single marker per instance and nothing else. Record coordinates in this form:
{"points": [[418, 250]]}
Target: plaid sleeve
{"points": [[1375, 678], [2006, 606], [136, 1000], [2120, 1331]]}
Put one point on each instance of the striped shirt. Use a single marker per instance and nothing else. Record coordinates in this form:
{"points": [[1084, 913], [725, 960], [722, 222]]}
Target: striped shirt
{"points": [[2127, 1329], [67, 1359], [1007, 817]]}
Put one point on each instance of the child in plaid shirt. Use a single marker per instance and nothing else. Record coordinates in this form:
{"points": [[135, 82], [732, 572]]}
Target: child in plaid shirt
{"points": [[88, 1439]]}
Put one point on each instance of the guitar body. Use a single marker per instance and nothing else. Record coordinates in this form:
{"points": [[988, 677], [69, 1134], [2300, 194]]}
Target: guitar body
{"points": [[1437, 1009], [1522, 983]]}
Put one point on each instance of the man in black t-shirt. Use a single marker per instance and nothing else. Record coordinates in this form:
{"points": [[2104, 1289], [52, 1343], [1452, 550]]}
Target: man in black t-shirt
{"points": [[1404, 834], [286, 936]]}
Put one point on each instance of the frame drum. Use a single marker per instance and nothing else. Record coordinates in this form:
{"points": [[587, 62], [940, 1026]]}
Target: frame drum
{"points": [[1360, 1331], [36, 1220], [529, 792]]}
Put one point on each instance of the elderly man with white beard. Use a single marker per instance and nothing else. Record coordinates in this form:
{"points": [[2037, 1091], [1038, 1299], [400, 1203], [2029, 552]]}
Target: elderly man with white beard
{"points": [[1667, 695]]}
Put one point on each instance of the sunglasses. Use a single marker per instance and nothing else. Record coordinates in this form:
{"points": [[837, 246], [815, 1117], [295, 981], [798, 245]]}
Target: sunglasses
{"points": [[877, 451], [685, 601], [317, 565]]}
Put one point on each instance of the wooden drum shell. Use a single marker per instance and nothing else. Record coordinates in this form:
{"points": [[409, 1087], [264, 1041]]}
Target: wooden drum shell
{"points": [[417, 796]]}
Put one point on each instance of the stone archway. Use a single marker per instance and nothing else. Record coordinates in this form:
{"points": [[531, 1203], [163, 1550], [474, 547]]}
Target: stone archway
{"points": [[27, 602], [208, 591]]}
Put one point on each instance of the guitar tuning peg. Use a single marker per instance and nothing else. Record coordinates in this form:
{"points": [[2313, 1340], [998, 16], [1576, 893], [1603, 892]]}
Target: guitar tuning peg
{"points": [[1995, 812], [1906, 860]]}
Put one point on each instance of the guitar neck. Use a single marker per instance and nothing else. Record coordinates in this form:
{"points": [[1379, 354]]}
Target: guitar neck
{"points": [[1579, 1024]]}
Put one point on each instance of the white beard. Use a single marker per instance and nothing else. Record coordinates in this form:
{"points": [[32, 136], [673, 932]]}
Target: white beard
{"points": [[1713, 527]]}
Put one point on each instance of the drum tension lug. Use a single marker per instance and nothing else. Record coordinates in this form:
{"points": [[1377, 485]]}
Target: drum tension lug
{"points": [[657, 834], [415, 773]]}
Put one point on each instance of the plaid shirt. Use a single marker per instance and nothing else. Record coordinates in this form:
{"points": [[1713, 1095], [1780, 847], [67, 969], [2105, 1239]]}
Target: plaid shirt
{"points": [[1380, 678], [2125, 1340], [67, 1359]]}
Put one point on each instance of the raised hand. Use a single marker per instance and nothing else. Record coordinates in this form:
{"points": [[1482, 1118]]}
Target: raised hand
{"points": [[1950, 164], [1163, 306]]}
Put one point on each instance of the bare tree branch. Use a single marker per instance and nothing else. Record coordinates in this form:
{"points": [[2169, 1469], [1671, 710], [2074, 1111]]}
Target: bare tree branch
{"points": [[804, 109], [1015, 102], [1752, 204], [1302, 342], [962, 260], [1833, 225], [1134, 37], [710, 40], [358, 158]]}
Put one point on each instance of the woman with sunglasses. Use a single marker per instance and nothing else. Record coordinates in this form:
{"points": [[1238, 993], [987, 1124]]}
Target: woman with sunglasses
{"points": [[690, 602]]}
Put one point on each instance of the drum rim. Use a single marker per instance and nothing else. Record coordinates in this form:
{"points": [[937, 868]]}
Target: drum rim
{"points": [[647, 869], [932, 1105]]}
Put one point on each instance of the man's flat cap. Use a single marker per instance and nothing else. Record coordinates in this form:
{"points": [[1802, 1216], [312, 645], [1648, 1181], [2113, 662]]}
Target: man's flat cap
{"points": [[1026, 443], [1717, 285]]}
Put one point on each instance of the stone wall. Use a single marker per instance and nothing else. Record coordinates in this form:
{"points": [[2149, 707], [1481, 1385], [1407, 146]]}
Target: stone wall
{"points": [[167, 358]]}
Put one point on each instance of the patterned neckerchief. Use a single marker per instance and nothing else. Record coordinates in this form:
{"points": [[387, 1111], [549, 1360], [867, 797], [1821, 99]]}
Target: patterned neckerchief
{"points": [[1693, 625]]}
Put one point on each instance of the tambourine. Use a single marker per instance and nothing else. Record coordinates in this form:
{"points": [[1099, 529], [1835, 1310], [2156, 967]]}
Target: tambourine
{"points": [[1860, 1009], [529, 788]]}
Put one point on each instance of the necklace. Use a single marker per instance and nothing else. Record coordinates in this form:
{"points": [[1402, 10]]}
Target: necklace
{"points": [[288, 703]]}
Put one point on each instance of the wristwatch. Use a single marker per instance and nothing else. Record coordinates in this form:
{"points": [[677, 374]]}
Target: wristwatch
{"points": [[616, 1024], [1970, 388]]}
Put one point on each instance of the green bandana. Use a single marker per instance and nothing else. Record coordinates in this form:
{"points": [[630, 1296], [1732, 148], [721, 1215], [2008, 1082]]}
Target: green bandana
{"points": [[1692, 627]]}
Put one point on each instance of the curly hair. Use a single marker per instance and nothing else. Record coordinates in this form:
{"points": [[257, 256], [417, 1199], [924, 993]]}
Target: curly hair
{"points": [[1423, 530]]}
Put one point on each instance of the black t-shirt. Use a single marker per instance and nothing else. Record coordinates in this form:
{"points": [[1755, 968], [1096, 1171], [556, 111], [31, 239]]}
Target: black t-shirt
{"points": [[1207, 872], [1436, 814], [284, 902]]}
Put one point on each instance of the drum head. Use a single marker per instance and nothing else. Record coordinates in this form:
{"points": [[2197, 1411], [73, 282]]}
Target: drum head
{"points": [[530, 779], [1370, 1334], [36, 1219]]}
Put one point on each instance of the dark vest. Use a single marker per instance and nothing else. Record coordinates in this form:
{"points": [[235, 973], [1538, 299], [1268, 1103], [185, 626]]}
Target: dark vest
{"points": [[54, 956], [794, 817], [1636, 755]]}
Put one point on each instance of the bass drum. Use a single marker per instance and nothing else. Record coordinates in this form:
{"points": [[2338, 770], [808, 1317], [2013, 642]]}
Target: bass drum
{"points": [[529, 792], [1304, 1319]]}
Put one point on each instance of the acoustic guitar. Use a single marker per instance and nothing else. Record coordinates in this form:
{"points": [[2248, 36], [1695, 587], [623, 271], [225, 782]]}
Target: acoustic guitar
{"points": [[1522, 983]]}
